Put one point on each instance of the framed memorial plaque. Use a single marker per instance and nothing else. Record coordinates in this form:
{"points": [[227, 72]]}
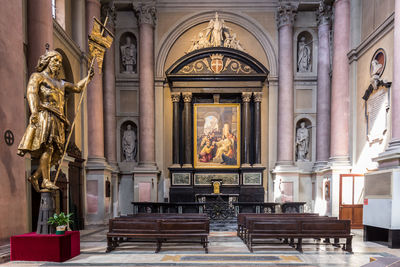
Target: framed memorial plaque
{"points": [[181, 178]]}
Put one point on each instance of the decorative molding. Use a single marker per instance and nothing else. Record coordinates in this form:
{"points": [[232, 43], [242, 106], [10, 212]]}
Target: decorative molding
{"points": [[372, 39], [175, 96], [286, 14], [187, 97], [324, 14], [237, 5], [145, 12], [187, 22], [69, 43], [257, 96], [246, 97]]}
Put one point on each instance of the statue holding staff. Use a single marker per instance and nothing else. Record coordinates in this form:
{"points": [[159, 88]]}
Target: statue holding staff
{"points": [[44, 137]]}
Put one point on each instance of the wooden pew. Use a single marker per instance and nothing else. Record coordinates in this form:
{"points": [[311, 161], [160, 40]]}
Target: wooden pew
{"points": [[242, 217], [158, 229], [300, 229]]}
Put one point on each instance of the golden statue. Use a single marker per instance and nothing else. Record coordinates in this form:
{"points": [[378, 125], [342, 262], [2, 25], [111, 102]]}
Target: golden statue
{"points": [[44, 137], [216, 186]]}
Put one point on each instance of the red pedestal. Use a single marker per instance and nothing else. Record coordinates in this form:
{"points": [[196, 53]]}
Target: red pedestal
{"points": [[34, 247]]}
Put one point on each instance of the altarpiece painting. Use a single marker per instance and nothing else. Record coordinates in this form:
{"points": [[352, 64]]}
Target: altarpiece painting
{"points": [[216, 135]]}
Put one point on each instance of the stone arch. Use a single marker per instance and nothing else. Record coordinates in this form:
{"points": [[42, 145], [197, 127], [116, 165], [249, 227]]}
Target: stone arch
{"points": [[192, 20], [310, 125], [122, 40], [121, 129], [311, 38]]}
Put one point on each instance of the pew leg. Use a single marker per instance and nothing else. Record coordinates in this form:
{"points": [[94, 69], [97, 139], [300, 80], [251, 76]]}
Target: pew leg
{"points": [[327, 240], [349, 247], [109, 244], [336, 242], [158, 248], [250, 244], [299, 244], [206, 245], [291, 243]]}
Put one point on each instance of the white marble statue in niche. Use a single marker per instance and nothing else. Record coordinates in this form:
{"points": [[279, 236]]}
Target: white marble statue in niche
{"points": [[128, 56], [302, 142], [303, 56], [129, 144]]}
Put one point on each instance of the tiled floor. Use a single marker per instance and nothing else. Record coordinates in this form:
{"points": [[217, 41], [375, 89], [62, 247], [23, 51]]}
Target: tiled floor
{"points": [[225, 249]]}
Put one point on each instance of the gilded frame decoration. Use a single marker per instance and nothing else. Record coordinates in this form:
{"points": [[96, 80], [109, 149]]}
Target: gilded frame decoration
{"points": [[179, 178], [216, 135]]}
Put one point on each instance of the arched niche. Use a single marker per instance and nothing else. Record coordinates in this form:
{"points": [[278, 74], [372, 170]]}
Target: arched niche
{"points": [[128, 53], [128, 141], [67, 75], [305, 52], [303, 140]]}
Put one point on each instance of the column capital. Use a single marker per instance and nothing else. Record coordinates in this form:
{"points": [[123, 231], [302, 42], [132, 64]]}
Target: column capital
{"points": [[187, 97], [324, 14], [145, 12], [246, 97], [175, 96], [258, 96], [286, 14]]}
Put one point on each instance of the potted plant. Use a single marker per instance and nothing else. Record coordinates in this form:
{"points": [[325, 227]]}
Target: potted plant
{"points": [[61, 222]]}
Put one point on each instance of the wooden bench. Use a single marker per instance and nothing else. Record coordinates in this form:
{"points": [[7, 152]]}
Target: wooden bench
{"points": [[158, 229], [300, 228], [242, 217]]}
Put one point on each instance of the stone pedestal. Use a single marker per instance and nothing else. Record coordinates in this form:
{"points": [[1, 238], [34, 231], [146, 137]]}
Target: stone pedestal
{"points": [[98, 207], [46, 211]]}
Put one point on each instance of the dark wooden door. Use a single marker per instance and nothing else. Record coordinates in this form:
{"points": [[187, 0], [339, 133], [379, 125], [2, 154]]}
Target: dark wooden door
{"points": [[76, 193], [351, 199]]}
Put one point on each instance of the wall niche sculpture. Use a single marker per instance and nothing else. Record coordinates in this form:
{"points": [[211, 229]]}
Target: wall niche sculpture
{"points": [[304, 52], [129, 142], [128, 53], [303, 140]]}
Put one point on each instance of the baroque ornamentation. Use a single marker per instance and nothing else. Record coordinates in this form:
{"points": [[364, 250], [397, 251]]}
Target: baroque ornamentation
{"points": [[324, 14], [216, 64], [187, 97], [175, 96], [146, 13], [217, 34], [286, 14], [246, 97]]}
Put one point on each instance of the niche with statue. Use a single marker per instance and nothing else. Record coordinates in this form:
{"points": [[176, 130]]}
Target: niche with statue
{"points": [[304, 52], [303, 140], [128, 142], [128, 53]]}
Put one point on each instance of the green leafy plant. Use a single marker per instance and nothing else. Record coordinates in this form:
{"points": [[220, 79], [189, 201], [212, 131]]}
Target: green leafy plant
{"points": [[60, 219]]}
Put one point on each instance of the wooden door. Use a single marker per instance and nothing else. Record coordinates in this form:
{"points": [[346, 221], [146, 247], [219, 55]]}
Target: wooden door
{"points": [[351, 199]]}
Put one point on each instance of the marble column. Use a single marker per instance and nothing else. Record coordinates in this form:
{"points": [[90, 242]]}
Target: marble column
{"points": [[257, 127], [323, 86], [285, 16], [176, 97], [40, 30], [246, 97], [95, 96], [146, 20], [187, 129], [339, 152], [97, 169], [110, 98], [394, 144]]}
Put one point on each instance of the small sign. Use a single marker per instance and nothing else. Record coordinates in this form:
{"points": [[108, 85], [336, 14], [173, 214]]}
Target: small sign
{"points": [[365, 201]]}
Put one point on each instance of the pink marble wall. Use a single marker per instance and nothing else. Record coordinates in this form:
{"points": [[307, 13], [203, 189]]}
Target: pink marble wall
{"points": [[13, 200]]}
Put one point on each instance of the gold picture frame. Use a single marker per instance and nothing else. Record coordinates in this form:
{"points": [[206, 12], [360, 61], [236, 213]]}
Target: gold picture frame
{"points": [[216, 136]]}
